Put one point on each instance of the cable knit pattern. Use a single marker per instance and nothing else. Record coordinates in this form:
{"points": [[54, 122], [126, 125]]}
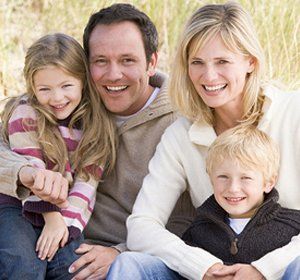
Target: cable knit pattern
{"points": [[23, 140]]}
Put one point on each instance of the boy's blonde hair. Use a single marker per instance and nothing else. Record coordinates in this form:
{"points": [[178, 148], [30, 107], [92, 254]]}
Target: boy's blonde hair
{"points": [[237, 31], [248, 146]]}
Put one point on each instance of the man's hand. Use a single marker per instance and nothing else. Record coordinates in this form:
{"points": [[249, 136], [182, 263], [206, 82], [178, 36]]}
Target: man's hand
{"points": [[210, 273], [46, 184], [96, 259], [240, 271], [54, 235]]}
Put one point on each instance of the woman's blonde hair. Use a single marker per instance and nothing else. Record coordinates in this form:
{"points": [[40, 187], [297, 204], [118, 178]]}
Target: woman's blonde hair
{"points": [[247, 146], [236, 28], [98, 143]]}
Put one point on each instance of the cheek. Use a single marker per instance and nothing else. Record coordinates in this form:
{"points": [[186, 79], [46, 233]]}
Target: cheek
{"points": [[96, 73]]}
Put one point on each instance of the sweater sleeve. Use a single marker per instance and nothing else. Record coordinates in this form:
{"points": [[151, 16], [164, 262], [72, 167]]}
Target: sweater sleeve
{"points": [[10, 165], [81, 199], [160, 191], [22, 137], [273, 264]]}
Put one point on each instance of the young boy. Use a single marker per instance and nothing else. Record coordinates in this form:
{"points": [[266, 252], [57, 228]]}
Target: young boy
{"points": [[242, 221]]}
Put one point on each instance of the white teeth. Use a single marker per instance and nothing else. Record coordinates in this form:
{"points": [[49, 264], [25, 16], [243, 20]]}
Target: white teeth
{"points": [[213, 88], [118, 88], [59, 106], [234, 199]]}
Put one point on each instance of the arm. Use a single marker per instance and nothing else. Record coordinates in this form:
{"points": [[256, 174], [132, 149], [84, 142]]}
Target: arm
{"points": [[18, 177], [10, 166], [54, 235], [161, 188], [273, 264], [81, 200]]}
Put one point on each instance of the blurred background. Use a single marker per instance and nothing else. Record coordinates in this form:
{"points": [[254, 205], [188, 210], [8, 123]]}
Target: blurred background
{"points": [[24, 21]]}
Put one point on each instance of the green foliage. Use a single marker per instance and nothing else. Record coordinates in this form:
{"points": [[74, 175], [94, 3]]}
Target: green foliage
{"points": [[23, 21]]}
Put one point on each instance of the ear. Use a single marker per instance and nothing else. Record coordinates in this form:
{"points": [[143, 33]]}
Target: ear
{"points": [[252, 63], [152, 64], [269, 185]]}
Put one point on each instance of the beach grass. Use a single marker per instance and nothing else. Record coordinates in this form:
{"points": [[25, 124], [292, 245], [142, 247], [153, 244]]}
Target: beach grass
{"points": [[24, 21]]}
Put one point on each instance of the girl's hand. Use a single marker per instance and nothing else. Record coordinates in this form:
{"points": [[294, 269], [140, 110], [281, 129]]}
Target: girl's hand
{"points": [[54, 235]]}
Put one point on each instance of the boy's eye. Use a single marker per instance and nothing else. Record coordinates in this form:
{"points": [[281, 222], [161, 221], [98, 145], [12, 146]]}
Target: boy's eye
{"points": [[222, 176], [246, 178]]}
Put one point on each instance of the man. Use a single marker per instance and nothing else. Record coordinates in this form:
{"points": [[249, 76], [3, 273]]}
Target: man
{"points": [[121, 45]]}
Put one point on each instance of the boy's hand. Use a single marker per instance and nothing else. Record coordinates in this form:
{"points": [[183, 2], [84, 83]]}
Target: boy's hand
{"points": [[46, 184], [54, 235]]}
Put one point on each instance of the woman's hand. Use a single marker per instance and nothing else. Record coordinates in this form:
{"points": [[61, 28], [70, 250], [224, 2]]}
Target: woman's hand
{"points": [[54, 235]]}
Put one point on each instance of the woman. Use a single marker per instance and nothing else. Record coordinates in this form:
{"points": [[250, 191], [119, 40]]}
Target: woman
{"points": [[216, 84]]}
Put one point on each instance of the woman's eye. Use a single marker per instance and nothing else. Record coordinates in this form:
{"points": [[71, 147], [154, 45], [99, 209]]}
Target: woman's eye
{"points": [[222, 61]]}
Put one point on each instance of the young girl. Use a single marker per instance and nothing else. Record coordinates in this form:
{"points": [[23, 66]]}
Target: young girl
{"points": [[60, 124]]}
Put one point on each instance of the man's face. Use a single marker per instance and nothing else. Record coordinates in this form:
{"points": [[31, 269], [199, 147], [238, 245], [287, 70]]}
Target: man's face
{"points": [[119, 68]]}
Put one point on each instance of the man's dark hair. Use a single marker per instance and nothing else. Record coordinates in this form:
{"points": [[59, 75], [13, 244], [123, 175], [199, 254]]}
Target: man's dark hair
{"points": [[124, 12]]}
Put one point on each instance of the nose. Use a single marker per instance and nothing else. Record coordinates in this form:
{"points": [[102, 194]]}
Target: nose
{"points": [[114, 72], [211, 73], [233, 185], [57, 95]]}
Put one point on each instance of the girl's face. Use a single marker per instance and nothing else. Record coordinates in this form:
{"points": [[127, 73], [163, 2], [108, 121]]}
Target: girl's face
{"points": [[57, 90], [219, 74]]}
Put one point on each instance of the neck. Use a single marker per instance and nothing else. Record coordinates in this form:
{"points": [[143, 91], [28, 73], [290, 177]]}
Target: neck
{"points": [[225, 120]]}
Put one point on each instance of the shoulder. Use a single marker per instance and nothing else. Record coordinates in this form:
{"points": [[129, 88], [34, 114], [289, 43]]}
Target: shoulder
{"points": [[23, 110], [279, 96]]}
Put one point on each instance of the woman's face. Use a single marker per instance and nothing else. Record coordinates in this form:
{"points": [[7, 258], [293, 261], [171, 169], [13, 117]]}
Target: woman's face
{"points": [[219, 74]]}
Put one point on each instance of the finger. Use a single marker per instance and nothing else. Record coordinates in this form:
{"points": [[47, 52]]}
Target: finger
{"points": [[64, 189], [38, 244], [53, 247], [98, 274], [56, 186], [226, 270], [87, 271], [51, 256], [64, 239], [46, 249], [39, 180], [84, 248], [42, 245], [48, 185], [82, 261]]}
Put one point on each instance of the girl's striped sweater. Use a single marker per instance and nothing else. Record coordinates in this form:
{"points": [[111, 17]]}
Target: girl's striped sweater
{"points": [[22, 132]]}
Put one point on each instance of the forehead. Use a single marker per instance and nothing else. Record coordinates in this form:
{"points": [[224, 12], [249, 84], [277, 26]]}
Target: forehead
{"points": [[116, 39]]}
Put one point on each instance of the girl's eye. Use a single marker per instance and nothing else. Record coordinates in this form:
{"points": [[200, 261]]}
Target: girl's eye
{"points": [[67, 85], [222, 176], [246, 178], [43, 89]]}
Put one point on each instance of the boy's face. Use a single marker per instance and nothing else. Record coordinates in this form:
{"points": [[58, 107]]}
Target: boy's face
{"points": [[237, 189]]}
